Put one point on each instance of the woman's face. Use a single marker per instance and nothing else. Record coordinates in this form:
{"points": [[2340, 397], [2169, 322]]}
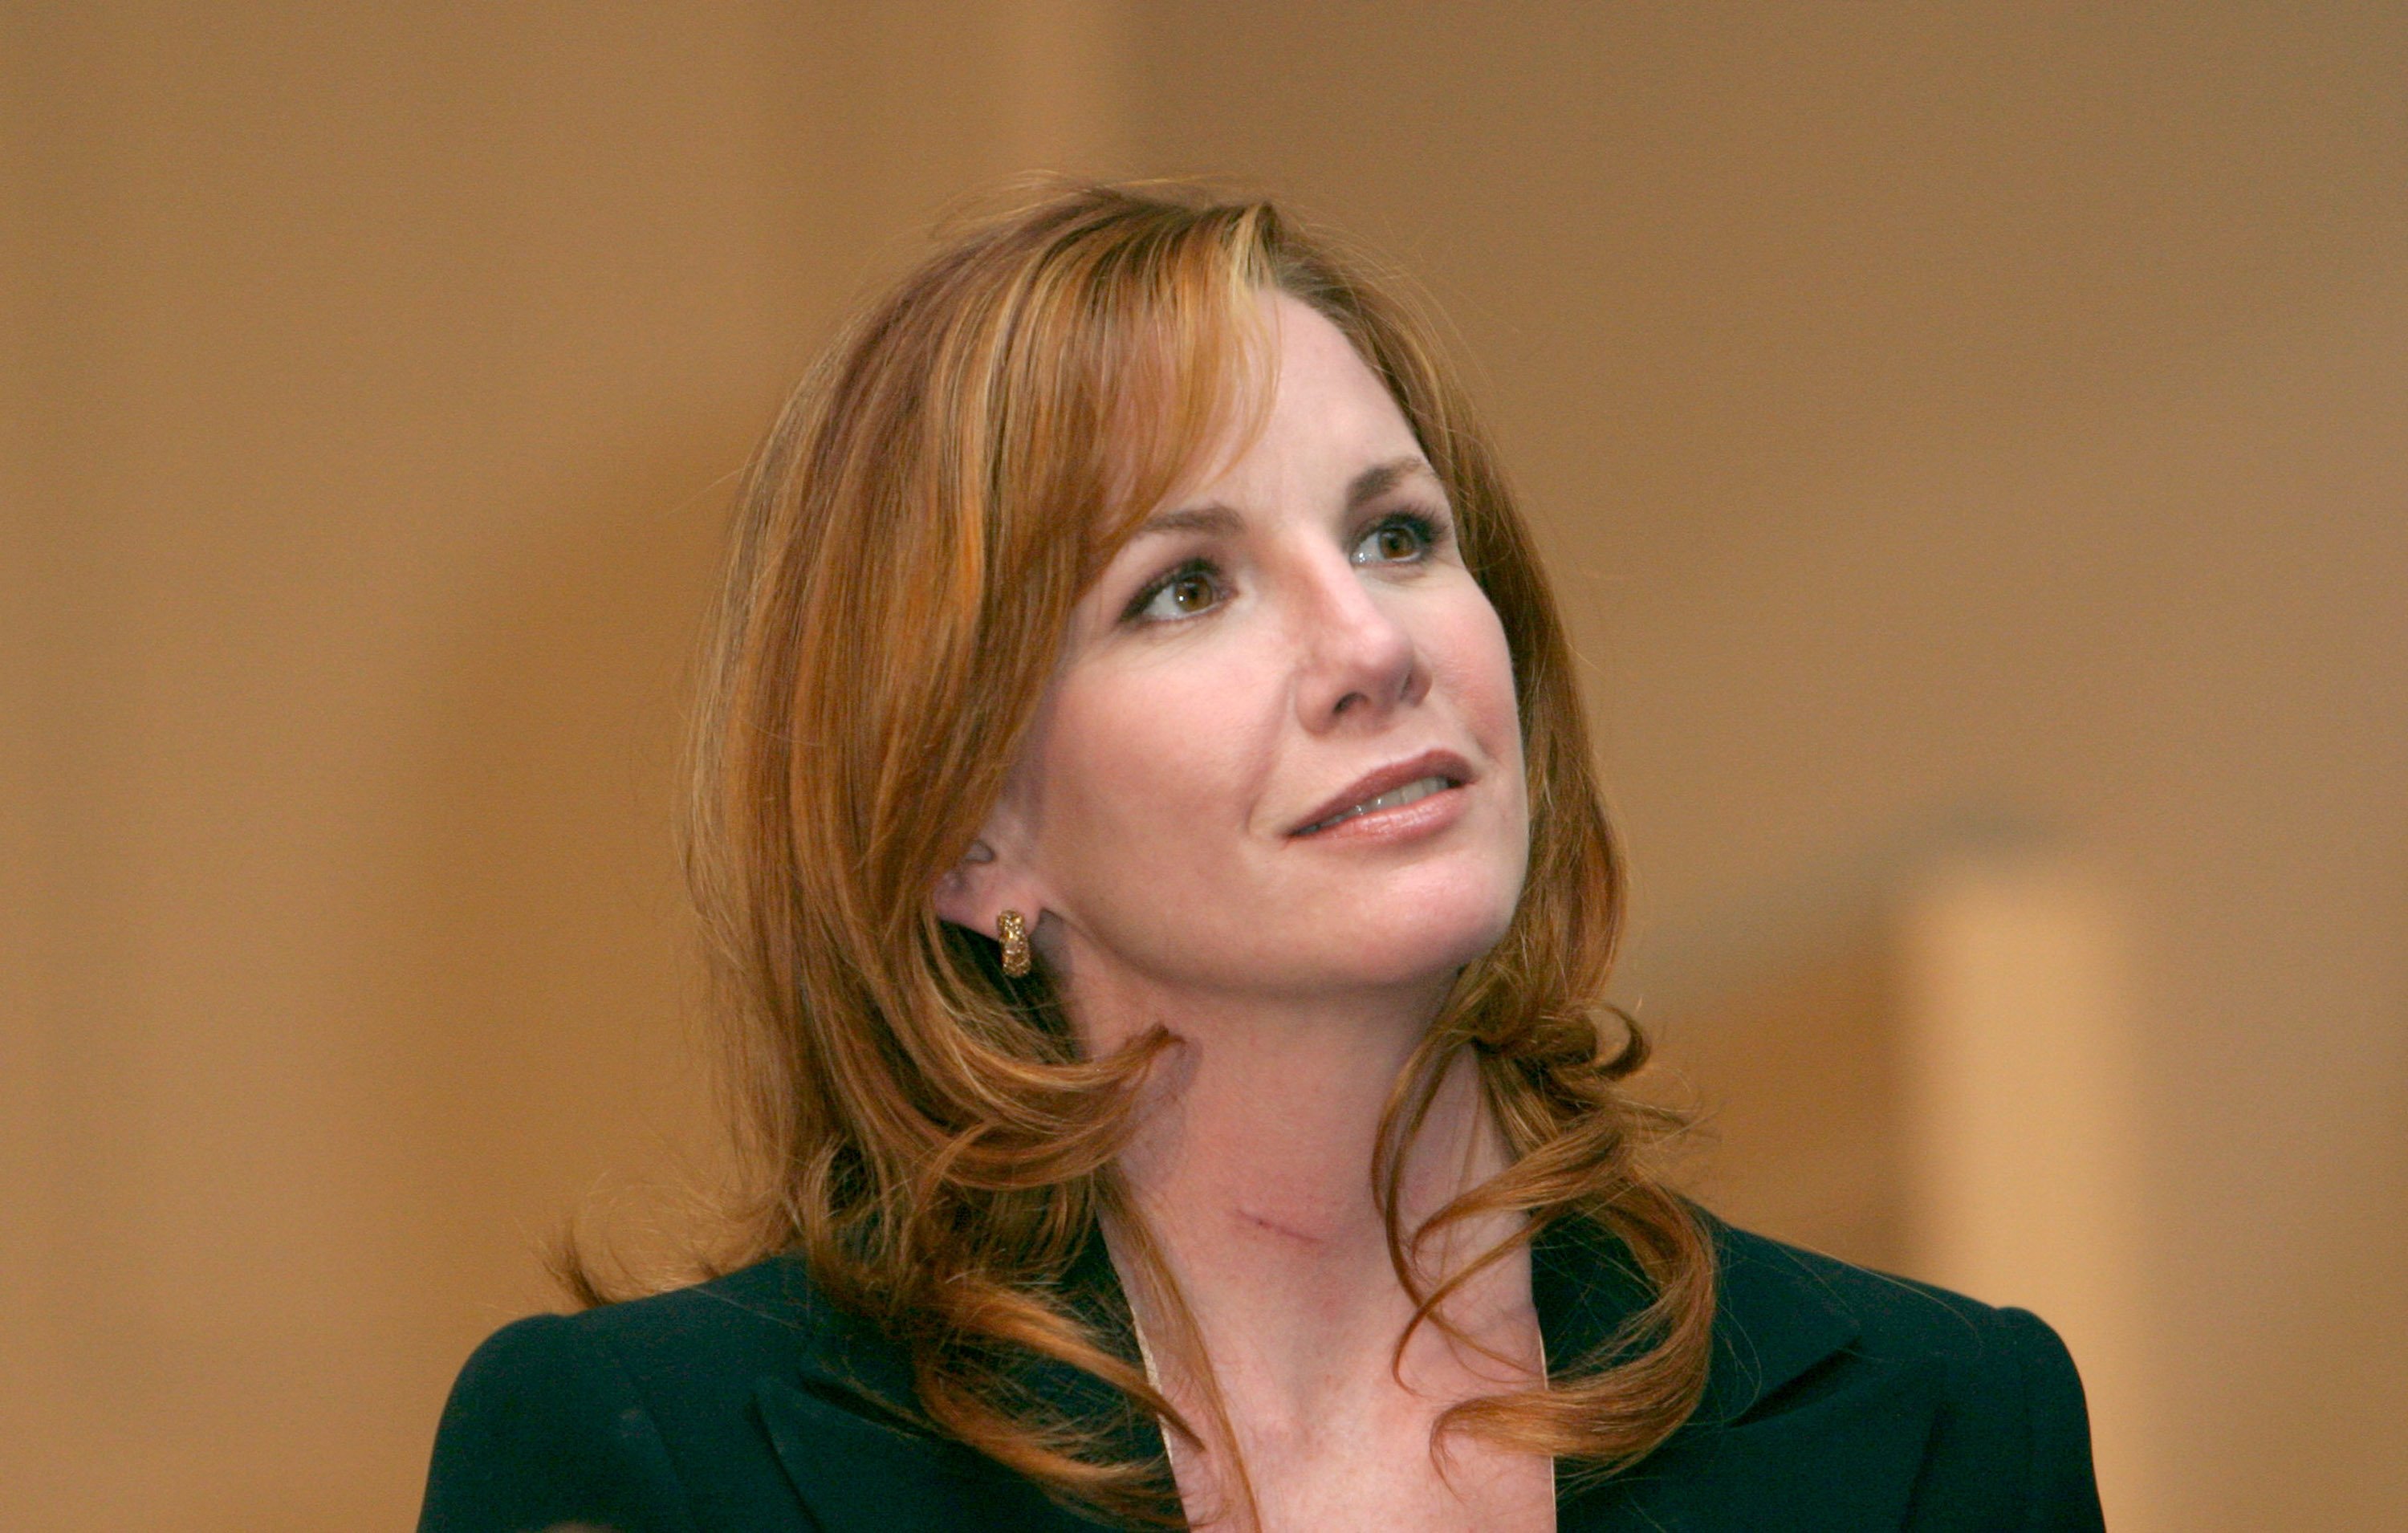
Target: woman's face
{"points": [[1280, 754]]}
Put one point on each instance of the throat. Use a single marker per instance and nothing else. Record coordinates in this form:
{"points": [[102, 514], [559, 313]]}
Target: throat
{"points": [[1259, 1201]]}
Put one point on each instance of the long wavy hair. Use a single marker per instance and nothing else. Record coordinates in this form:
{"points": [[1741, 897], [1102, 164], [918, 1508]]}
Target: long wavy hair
{"points": [[925, 1132]]}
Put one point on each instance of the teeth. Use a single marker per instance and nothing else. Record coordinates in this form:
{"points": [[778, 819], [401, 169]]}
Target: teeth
{"points": [[1393, 797]]}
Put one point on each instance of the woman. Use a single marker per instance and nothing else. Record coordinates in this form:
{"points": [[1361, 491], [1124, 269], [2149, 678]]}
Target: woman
{"points": [[1148, 829]]}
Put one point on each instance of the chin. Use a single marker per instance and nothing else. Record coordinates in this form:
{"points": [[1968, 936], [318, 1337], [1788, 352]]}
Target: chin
{"points": [[1418, 940]]}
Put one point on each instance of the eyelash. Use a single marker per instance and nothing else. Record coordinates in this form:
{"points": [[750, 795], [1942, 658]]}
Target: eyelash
{"points": [[1428, 534], [1426, 530]]}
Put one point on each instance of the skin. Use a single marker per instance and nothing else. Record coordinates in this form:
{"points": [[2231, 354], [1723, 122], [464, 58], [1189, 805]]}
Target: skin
{"points": [[1274, 637]]}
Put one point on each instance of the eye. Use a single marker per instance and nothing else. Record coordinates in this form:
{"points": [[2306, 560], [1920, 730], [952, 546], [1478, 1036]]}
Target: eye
{"points": [[1192, 588], [1404, 537]]}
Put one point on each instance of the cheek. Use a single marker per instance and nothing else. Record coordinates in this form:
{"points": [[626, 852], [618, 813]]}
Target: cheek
{"points": [[1149, 770], [1476, 666]]}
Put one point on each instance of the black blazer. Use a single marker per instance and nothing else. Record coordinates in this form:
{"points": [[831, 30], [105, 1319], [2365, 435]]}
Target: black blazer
{"points": [[1838, 1399]]}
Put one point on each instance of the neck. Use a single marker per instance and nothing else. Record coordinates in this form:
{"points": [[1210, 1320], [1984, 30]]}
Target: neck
{"points": [[1253, 1171]]}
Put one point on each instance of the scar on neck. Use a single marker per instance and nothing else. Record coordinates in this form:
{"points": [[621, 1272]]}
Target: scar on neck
{"points": [[1285, 1232]]}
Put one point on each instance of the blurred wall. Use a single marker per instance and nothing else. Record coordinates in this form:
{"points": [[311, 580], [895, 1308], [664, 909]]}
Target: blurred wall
{"points": [[1935, 412], [1969, 414], [376, 374]]}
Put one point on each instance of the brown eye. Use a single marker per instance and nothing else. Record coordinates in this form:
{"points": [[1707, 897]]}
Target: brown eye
{"points": [[1398, 540], [1190, 593], [1187, 591]]}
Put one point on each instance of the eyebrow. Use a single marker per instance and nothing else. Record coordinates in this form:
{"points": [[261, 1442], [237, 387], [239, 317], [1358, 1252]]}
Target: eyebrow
{"points": [[1381, 478], [1370, 484], [1212, 518]]}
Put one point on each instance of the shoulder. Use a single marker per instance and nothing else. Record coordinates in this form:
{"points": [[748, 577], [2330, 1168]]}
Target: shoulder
{"points": [[1974, 1411], [1766, 1285], [624, 1415]]}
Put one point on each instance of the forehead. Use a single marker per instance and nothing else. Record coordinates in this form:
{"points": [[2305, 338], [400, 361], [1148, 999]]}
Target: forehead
{"points": [[1323, 380], [1291, 409], [1324, 410]]}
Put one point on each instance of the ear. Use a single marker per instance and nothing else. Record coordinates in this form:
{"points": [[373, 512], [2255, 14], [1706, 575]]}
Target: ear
{"points": [[965, 892], [999, 871], [993, 877]]}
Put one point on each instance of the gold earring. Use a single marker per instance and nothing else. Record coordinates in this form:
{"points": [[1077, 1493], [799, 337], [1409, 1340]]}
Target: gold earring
{"points": [[1014, 933]]}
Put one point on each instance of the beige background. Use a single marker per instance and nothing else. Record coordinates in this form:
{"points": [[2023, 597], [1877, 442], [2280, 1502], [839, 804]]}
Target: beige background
{"points": [[1973, 440]]}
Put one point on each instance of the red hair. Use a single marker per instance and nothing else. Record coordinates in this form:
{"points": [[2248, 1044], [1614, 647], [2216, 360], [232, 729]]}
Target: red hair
{"points": [[924, 1131]]}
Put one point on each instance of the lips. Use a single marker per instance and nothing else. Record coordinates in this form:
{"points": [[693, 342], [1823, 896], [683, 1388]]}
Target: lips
{"points": [[1390, 787]]}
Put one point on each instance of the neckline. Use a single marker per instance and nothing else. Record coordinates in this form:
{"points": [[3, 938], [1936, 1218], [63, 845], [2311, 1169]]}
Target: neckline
{"points": [[1116, 1297]]}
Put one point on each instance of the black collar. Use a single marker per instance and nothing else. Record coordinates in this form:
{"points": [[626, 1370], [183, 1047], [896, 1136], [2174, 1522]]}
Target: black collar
{"points": [[1772, 1323], [861, 1467]]}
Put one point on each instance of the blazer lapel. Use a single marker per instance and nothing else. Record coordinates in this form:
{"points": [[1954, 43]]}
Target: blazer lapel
{"points": [[843, 1429], [1837, 1452], [1845, 1462], [859, 1474]]}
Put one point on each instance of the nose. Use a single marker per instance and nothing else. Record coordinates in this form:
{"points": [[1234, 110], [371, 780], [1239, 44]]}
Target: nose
{"points": [[1357, 661]]}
